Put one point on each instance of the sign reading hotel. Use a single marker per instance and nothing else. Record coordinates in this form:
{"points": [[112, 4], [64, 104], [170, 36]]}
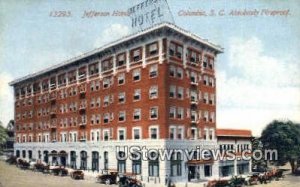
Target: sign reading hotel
{"points": [[149, 13]]}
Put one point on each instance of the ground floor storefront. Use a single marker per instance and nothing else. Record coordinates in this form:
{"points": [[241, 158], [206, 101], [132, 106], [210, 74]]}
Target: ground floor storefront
{"points": [[116, 156]]}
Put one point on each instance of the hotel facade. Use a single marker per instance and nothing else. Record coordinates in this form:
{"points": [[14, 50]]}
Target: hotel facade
{"points": [[154, 89]]}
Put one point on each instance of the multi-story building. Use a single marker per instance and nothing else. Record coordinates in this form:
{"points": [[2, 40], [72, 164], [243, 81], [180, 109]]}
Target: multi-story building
{"points": [[238, 141], [155, 88]]}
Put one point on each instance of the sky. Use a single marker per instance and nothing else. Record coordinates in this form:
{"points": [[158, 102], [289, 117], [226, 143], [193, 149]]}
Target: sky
{"points": [[258, 75]]}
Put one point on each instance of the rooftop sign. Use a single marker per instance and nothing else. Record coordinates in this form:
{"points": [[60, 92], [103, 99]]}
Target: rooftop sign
{"points": [[149, 13]]}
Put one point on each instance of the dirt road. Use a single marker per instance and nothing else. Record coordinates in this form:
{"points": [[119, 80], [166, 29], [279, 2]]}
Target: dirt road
{"points": [[11, 176]]}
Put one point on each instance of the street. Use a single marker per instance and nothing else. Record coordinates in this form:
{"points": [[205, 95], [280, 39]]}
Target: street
{"points": [[11, 176]]}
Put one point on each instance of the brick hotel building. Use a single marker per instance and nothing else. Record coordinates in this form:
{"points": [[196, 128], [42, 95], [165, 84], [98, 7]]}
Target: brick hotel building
{"points": [[155, 88]]}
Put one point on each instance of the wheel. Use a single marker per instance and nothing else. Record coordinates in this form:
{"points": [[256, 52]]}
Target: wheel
{"points": [[107, 182]]}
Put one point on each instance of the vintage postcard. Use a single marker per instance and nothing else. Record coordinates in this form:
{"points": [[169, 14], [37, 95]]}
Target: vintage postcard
{"points": [[149, 93]]}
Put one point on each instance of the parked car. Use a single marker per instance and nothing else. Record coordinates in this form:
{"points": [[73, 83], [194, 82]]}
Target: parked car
{"points": [[237, 181], [11, 160], [129, 181], [41, 167], [23, 164], [219, 183], [61, 171], [252, 178], [77, 175], [110, 178]]}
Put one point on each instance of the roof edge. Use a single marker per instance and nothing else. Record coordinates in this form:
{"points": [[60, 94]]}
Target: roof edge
{"points": [[217, 48]]}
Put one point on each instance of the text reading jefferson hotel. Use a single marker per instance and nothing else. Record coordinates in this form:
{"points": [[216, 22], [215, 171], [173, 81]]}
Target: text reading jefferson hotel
{"points": [[155, 88]]}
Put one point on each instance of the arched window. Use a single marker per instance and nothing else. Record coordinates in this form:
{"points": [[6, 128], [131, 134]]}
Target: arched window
{"points": [[136, 163], [121, 162], [29, 154], [54, 157], [105, 155], [18, 153], [95, 161], [83, 160], [24, 154], [46, 157], [73, 159], [153, 164]]}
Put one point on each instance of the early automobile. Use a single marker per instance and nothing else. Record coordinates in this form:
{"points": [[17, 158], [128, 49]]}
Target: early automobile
{"points": [[251, 178], [77, 175], [129, 181], [59, 170], [109, 178]]}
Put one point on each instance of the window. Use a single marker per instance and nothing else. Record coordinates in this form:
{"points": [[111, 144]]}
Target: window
{"points": [[106, 82], [180, 93], [136, 74], [136, 133], [172, 133], [211, 63], [172, 91], [179, 52], [137, 114], [153, 165], [122, 97], [212, 99], [106, 135], [93, 69], [97, 86], [194, 116], [98, 103], [121, 79], [153, 71], [205, 98], [172, 71], [172, 49], [137, 95], [193, 77], [179, 73], [136, 55], [205, 62], [205, 80], [180, 113], [98, 118], [193, 56], [193, 134], [172, 112], [176, 160], [122, 116], [211, 134], [153, 92], [207, 170], [105, 155], [106, 101], [180, 133], [106, 118], [153, 132], [62, 79], [107, 65], [121, 135], [121, 162], [152, 49], [211, 82], [136, 163], [205, 115], [153, 112], [121, 60]]}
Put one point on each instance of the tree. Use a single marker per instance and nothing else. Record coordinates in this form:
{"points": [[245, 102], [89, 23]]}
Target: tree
{"points": [[284, 136], [3, 137], [257, 145]]}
